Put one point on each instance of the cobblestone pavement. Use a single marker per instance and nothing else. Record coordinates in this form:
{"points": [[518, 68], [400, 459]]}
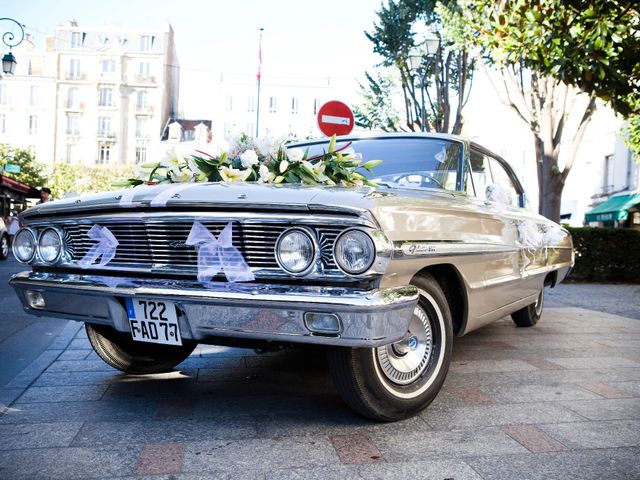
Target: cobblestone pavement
{"points": [[560, 400]]}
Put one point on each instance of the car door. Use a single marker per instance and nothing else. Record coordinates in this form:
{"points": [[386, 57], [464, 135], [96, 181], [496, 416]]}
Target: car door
{"points": [[508, 278]]}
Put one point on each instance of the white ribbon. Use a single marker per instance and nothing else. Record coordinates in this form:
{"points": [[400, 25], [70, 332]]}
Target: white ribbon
{"points": [[162, 198], [217, 255], [126, 199], [105, 248]]}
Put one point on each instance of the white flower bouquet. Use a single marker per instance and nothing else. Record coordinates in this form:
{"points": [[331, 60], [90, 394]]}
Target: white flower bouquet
{"points": [[259, 160]]}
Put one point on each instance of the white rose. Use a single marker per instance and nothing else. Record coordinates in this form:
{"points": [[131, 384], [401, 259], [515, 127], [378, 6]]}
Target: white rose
{"points": [[265, 175], [295, 155], [249, 158]]}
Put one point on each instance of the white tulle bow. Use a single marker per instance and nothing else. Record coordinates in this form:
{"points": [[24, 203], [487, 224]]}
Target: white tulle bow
{"points": [[217, 255], [105, 248]]}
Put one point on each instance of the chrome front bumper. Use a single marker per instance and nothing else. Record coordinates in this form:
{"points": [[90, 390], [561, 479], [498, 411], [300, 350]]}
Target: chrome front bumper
{"points": [[368, 318]]}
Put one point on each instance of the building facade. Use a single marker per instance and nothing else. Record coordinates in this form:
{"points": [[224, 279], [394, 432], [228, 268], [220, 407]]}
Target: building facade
{"points": [[104, 95], [286, 105]]}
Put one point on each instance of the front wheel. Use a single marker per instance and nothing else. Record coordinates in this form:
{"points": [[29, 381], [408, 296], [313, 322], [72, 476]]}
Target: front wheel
{"points": [[531, 314], [120, 351], [399, 380]]}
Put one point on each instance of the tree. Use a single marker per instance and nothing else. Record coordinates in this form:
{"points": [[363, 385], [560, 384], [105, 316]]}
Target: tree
{"points": [[75, 178], [446, 73], [548, 52], [377, 111], [31, 171]]}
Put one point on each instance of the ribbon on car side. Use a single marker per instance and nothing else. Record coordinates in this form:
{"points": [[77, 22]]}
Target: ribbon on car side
{"points": [[217, 255], [105, 248]]}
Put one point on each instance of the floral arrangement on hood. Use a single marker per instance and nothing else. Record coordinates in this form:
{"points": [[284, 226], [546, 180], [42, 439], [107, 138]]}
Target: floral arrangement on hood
{"points": [[265, 160]]}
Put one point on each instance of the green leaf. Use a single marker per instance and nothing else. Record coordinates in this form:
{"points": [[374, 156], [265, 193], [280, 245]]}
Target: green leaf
{"points": [[332, 144]]}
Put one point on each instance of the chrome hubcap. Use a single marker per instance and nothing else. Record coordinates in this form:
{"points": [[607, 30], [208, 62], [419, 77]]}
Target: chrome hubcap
{"points": [[539, 302], [404, 361], [5, 247]]}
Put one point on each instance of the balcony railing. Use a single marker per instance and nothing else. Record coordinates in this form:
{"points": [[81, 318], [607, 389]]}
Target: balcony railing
{"points": [[106, 136], [75, 76], [142, 78]]}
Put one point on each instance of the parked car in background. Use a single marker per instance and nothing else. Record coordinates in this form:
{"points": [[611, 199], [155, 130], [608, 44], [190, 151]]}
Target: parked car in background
{"points": [[4, 240], [383, 277]]}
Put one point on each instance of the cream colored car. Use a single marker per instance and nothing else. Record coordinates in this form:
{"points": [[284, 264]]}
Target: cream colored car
{"points": [[383, 277]]}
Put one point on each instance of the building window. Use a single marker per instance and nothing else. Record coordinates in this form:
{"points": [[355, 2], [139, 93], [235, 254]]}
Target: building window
{"points": [[144, 69], [294, 105], [316, 105], [72, 98], [108, 67], [74, 69], [77, 39], [104, 154], [71, 153], [251, 127], [251, 104], [226, 128], [228, 104], [104, 126], [141, 155], [146, 43], [72, 125], [33, 96], [141, 127], [142, 101], [273, 105], [607, 177], [3, 123], [29, 67], [105, 97], [3, 94], [33, 124]]}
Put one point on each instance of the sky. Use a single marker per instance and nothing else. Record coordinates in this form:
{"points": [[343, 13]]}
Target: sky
{"points": [[302, 39]]}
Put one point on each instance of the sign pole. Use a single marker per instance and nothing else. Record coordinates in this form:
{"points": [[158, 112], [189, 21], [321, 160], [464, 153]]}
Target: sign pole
{"points": [[258, 76]]}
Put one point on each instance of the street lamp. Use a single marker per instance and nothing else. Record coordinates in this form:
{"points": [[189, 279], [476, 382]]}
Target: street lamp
{"points": [[430, 45], [9, 39]]}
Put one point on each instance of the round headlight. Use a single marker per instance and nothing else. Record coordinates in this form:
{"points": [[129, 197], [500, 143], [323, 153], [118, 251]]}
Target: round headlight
{"points": [[295, 251], [50, 245], [354, 252], [24, 245]]}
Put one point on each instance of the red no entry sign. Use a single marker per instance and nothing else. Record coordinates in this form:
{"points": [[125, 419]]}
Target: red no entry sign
{"points": [[335, 118]]}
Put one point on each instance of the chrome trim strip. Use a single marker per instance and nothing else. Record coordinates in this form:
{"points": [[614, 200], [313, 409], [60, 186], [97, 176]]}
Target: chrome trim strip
{"points": [[411, 250]]}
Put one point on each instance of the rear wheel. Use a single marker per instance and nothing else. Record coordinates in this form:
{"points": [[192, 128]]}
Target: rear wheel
{"points": [[120, 351], [399, 380], [531, 314]]}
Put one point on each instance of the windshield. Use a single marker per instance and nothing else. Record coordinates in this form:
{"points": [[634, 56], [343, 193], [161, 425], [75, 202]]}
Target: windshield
{"points": [[406, 162]]}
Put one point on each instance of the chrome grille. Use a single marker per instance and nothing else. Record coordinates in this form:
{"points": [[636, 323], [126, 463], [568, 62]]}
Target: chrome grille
{"points": [[154, 245]]}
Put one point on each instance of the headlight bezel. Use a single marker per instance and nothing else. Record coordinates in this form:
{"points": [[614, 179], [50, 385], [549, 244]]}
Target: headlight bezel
{"points": [[34, 240], [61, 249], [373, 248], [311, 235]]}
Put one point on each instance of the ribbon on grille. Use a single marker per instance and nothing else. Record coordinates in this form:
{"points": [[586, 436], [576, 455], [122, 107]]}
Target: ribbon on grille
{"points": [[217, 255], [105, 247]]}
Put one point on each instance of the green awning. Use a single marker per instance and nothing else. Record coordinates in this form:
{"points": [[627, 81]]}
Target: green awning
{"points": [[616, 208]]}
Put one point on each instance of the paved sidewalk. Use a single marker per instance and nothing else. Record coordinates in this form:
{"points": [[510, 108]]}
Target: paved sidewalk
{"points": [[561, 401]]}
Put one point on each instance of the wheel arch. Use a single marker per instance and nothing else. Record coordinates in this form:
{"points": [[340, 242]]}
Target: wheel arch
{"points": [[452, 284]]}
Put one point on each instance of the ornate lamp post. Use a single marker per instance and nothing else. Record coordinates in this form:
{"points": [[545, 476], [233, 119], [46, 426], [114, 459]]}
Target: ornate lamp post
{"points": [[416, 60], [11, 40]]}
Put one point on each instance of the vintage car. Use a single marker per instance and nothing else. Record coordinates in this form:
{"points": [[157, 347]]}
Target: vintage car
{"points": [[383, 277]]}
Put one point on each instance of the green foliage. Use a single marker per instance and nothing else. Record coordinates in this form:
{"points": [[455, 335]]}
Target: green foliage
{"points": [[377, 111], [593, 45], [67, 178], [437, 91], [31, 171], [606, 254], [632, 134]]}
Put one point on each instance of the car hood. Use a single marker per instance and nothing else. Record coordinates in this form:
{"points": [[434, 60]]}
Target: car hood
{"points": [[211, 195], [249, 196]]}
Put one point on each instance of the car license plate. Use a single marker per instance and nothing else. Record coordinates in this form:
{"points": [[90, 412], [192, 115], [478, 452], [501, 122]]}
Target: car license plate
{"points": [[153, 321]]}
